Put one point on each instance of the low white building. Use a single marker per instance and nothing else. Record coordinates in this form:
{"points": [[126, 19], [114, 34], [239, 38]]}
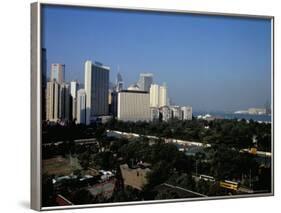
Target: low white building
{"points": [[81, 107]]}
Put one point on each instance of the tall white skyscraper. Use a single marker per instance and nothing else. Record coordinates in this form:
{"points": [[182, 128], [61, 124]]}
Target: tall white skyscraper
{"points": [[64, 109], [96, 88], [158, 95], [52, 100], [154, 95], [81, 107], [145, 81], [73, 93], [163, 96], [57, 72]]}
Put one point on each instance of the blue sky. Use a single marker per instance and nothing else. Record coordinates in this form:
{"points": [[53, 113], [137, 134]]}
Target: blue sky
{"points": [[209, 62]]}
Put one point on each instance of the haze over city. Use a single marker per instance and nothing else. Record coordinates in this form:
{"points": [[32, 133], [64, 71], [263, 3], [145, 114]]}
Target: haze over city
{"points": [[211, 63]]}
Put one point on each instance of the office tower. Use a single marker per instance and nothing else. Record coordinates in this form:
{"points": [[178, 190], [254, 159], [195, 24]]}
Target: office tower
{"points": [[119, 82], [64, 109], [176, 112], [186, 112], [96, 88], [163, 100], [44, 81], [52, 101], [154, 114], [158, 95], [73, 94], [165, 113], [57, 72], [133, 106], [81, 107], [145, 81], [154, 95]]}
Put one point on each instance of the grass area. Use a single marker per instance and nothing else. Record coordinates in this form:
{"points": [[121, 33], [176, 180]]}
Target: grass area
{"points": [[60, 165]]}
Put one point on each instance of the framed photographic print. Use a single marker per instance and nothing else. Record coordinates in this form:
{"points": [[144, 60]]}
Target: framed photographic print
{"points": [[141, 106]]}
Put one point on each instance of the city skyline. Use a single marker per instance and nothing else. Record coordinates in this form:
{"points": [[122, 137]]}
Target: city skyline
{"points": [[195, 83], [139, 106]]}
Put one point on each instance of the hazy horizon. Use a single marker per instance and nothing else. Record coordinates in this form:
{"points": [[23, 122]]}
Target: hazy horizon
{"points": [[212, 63]]}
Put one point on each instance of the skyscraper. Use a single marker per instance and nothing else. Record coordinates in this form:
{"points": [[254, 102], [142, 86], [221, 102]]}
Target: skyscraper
{"points": [[73, 94], [119, 82], [64, 109], [145, 81], [96, 88], [52, 101], [81, 107], [158, 95], [154, 95], [57, 72], [163, 96]]}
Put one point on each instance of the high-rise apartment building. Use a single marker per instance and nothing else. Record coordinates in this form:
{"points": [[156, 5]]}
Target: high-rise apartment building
{"points": [[57, 72], [52, 101], [133, 105], [81, 107], [73, 94], [96, 88], [145, 81], [64, 106], [158, 95]]}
